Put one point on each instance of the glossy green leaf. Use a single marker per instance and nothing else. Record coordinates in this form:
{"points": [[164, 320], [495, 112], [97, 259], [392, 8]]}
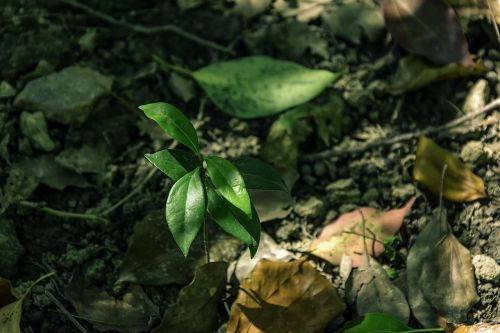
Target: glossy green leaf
{"points": [[378, 322], [185, 210], [175, 163], [259, 175], [260, 86], [174, 123], [234, 221], [229, 182]]}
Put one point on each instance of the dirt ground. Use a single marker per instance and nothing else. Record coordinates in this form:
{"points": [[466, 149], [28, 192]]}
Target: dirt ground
{"points": [[92, 163]]}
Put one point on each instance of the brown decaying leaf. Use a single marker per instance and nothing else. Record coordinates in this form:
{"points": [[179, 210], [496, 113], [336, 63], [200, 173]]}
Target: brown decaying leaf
{"points": [[478, 328], [460, 184], [10, 308], [414, 73], [440, 275], [153, 258], [284, 297], [131, 313], [344, 235], [373, 291], [196, 308], [428, 28]]}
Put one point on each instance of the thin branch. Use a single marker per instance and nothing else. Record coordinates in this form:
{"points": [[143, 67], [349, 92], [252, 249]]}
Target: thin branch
{"points": [[60, 213], [65, 312], [340, 151], [148, 30]]}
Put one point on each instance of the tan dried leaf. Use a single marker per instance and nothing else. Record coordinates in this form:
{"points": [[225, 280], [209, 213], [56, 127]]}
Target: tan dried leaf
{"points": [[284, 297], [478, 328], [344, 235], [460, 183], [440, 275]]}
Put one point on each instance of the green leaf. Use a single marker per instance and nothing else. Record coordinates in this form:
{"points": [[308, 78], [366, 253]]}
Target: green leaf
{"points": [[378, 322], [259, 175], [185, 210], [260, 86], [175, 163], [174, 123], [229, 182], [233, 220]]}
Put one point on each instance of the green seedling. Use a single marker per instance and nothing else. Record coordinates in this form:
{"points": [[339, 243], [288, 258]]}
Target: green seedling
{"points": [[207, 185]]}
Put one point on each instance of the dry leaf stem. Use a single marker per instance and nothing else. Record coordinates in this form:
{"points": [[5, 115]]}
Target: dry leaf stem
{"points": [[149, 30], [440, 130]]}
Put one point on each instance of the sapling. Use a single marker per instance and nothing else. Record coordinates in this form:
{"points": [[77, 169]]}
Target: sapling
{"points": [[207, 186]]}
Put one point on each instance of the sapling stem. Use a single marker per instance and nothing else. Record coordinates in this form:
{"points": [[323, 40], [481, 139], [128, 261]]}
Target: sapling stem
{"points": [[205, 238], [172, 67]]}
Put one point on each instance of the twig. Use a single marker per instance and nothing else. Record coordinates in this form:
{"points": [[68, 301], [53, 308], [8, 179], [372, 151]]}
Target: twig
{"points": [[149, 30], [66, 312], [60, 213], [339, 151]]}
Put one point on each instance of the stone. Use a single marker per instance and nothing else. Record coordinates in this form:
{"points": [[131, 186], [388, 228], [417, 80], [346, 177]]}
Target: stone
{"points": [[311, 208], [67, 96], [34, 127], [343, 191], [473, 152], [10, 248], [486, 268], [6, 90]]}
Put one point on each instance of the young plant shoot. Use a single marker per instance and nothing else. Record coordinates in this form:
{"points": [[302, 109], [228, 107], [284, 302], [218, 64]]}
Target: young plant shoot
{"points": [[207, 185]]}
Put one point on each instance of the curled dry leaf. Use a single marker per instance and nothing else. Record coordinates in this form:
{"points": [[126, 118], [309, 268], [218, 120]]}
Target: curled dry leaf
{"points": [[460, 184], [196, 308], [428, 28], [345, 234], [153, 258], [131, 313], [374, 292], [440, 275], [478, 328], [284, 297], [10, 308], [414, 73]]}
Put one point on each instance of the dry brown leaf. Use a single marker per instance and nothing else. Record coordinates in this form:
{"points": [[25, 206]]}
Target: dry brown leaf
{"points": [[344, 235], [440, 275], [460, 184], [10, 308], [284, 297], [374, 292], [477, 9], [196, 308], [478, 328], [131, 313]]}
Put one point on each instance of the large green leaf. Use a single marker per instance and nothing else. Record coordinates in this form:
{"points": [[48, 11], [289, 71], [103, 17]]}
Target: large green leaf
{"points": [[259, 86], [378, 322], [185, 210], [174, 123], [175, 163], [234, 221], [229, 182], [259, 175]]}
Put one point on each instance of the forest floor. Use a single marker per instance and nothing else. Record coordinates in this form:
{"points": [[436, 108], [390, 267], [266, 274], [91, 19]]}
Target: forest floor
{"points": [[73, 190]]}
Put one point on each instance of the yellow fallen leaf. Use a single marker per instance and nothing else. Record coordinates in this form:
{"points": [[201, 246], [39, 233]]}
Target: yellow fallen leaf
{"points": [[478, 328], [283, 297], [460, 183]]}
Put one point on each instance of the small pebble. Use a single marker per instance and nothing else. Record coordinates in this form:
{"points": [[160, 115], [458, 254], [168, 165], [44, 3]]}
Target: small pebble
{"points": [[486, 268]]}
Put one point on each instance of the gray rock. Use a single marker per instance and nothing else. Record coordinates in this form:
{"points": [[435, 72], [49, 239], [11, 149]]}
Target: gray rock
{"points": [[10, 248], [6, 90], [34, 126], [486, 268], [343, 191], [473, 152], [311, 208], [66, 96]]}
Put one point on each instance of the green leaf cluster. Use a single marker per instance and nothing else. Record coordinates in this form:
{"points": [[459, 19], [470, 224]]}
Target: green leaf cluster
{"points": [[207, 185]]}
